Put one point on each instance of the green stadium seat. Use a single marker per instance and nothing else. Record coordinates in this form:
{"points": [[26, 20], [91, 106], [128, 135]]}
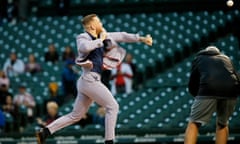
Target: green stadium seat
{"points": [[94, 127]]}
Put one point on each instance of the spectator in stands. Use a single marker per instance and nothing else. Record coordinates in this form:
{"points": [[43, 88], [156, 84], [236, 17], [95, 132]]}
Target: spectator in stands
{"points": [[4, 93], [4, 80], [25, 100], [68, 54], [69, 78], [52, 54], [122, 79], [129, 60], [54, 95], [52, 114], [32, 66], [213, 84], [13, 66], [10, 108]]}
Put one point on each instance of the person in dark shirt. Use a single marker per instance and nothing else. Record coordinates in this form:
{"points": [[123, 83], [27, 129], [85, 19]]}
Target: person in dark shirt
{"points": [[52, 54], [68, 54], [4, 93], [69, 78], [213, 82], [52, 114], [32, 66]]}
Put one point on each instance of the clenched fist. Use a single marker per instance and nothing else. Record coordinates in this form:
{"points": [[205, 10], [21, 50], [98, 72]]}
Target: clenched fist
{"points": [[147, 40]]}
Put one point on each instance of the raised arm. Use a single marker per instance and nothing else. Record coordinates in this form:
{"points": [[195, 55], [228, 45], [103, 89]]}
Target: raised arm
{"points": [[129, 37]]}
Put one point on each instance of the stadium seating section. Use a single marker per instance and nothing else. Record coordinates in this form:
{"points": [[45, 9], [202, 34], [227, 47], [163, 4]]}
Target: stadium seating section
{"points": [[79, 2], [163, 102]]}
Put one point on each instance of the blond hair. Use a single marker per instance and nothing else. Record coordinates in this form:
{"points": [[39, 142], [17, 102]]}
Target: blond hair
{"points": [[87, 19], [51, 105]]}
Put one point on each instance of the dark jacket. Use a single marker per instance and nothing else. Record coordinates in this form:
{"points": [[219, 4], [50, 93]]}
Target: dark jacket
{"points": [[212, 76]]}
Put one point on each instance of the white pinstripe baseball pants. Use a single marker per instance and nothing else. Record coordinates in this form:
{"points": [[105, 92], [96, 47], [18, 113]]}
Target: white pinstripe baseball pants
{"points": [[90, 89]]}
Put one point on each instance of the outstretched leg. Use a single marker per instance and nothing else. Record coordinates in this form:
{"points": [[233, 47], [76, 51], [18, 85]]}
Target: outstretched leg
{"points": [[102, 96], [81, 106]]}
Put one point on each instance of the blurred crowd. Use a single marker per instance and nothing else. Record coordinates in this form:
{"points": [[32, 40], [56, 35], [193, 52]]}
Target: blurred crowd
{"points": [[19, 10], [14, 10], [19, 108]]}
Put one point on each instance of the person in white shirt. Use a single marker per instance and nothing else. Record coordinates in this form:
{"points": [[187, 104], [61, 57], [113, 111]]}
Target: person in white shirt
{"points": [[25, 100], [122, 79], [13, 66]]}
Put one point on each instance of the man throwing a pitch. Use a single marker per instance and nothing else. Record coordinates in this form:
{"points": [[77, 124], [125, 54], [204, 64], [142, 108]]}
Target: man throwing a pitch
{"points": [[92, 47]]}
